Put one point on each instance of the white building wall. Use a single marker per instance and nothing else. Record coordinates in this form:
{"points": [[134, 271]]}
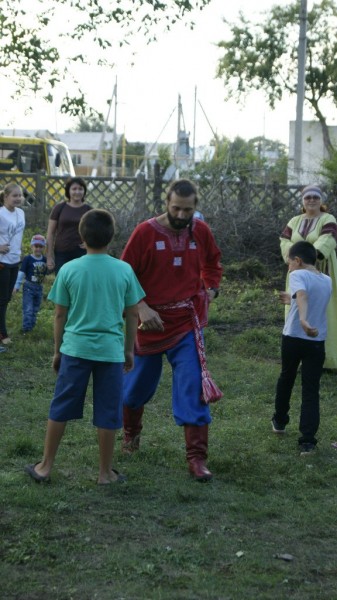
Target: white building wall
{"points": [[313, 152]]}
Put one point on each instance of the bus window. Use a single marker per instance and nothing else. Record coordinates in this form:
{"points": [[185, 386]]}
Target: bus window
{"points": [[32, 159], [59, 161], [25, 158], [8, 157]]}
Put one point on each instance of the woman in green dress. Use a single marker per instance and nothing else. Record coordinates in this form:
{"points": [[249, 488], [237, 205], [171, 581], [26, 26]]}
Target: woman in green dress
{"points": [[317, 226]]}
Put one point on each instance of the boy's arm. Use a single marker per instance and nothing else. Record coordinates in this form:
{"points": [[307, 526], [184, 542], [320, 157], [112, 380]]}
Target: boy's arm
{"points": [[284, 297], [60, 318], [302, 303], [19, 280], [131, 324]]}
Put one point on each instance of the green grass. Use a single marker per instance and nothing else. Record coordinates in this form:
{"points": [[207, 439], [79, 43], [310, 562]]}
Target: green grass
{"points": [[162, 536]]}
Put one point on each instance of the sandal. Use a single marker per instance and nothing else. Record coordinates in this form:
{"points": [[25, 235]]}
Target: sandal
{"points": [[120, 478], [30, 470]]}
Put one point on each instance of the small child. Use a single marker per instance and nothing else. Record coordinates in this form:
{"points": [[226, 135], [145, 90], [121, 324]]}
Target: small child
{"points": [[303, 342], [91, 295], [33, 270]]}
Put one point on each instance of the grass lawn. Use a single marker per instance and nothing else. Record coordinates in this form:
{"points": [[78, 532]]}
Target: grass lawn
{"points": [[265, 528]]}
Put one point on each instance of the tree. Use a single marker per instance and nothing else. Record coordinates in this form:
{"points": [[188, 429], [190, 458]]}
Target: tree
{"points": [[130, 154], [95, 122], [263, 56], [275, 157], [164, 157], [41, 43], [329, 169], [231, 160], [258, 160]]}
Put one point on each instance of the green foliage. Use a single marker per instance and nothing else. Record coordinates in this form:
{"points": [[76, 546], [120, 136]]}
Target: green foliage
{"points": [[164, 157], [41, 46], [329, 168], [130, 154], [258, 159], [251, 268], [93, 123], [263, 56]]}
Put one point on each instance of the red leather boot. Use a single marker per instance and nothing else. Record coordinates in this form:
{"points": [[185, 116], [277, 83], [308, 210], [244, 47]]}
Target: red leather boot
{"points": [[132, 421], [196, 451]]}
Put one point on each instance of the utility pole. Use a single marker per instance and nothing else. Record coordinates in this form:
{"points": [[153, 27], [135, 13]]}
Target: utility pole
{"points": [[302, 47], [102, 138], [194, 125], [114, 135], [177, 152]]}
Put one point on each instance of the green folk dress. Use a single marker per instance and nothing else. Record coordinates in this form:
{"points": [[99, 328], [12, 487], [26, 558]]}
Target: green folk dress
{"points": [[320, 231]]}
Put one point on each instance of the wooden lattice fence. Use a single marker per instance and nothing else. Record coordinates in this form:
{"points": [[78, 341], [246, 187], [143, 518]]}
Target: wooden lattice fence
{"points": [[246, 218]]}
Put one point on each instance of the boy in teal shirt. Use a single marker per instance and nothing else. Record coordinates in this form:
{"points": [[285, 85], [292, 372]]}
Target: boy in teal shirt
{"points": [[91, 294]]}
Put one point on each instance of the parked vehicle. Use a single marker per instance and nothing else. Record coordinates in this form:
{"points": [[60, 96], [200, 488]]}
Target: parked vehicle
{"points": [[36, 156]]}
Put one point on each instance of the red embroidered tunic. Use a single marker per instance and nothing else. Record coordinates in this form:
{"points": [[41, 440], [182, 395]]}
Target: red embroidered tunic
{"points": [[172, 267]]}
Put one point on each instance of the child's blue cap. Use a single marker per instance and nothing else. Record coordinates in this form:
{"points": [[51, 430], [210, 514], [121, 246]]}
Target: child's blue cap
{"points": [[38, 240]]}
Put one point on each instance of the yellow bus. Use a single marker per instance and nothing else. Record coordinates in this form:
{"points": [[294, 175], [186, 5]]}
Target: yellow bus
{"points": [[32, 155]]}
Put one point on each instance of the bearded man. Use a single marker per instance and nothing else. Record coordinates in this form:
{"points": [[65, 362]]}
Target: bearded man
{"points": [[177, 263]]}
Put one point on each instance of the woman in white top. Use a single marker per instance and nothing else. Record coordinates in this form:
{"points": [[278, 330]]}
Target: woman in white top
{"points": [[12, 224]]}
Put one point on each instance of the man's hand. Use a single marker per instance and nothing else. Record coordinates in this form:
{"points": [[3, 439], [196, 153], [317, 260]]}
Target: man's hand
{"points": [[149, 318]]}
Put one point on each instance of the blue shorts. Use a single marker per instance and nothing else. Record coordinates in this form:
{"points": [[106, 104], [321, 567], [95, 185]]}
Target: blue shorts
{"points": [[71, 387]]}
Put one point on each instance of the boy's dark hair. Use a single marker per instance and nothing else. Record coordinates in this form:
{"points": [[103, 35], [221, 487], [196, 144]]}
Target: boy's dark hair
{"points": [[78, 181], [305, 251], [97, 228], [183, 188]]}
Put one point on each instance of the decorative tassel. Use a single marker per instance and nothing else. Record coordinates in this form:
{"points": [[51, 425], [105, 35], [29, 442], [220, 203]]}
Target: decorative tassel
{"points": [[210, 391]]}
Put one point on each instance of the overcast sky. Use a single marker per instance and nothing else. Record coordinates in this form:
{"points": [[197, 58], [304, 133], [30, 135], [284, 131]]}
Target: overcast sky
{"points": [[148, 91]]}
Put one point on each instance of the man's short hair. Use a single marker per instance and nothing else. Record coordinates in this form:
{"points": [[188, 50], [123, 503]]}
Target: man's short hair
{"points": [[183, 188], [97, 228], [305, 251]]}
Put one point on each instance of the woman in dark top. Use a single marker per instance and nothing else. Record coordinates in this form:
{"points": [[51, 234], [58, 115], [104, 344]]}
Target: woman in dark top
{"points": [[63, 240]]}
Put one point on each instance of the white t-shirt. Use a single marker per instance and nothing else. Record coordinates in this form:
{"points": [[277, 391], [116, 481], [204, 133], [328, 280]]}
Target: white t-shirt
{"points": [[12, 224], [318, 288]]}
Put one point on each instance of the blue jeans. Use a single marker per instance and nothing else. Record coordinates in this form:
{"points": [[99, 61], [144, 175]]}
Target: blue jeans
{"points": [[312, 355], [31, 302], [141, 383]]}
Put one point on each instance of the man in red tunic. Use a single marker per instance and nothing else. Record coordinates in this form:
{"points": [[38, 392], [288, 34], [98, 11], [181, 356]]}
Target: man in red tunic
{"points": [[177, 263]]}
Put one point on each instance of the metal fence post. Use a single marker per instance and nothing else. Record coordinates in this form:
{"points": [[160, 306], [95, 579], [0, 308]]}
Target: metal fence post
{"points": [[140, 197], [157, 189]]}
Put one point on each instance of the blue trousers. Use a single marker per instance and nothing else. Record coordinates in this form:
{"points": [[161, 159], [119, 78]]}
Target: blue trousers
{"points": [[141, 383], [32, 294]]}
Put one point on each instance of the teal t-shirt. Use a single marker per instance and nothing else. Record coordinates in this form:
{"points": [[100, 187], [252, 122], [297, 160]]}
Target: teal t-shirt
{"points": [[95, 288]]}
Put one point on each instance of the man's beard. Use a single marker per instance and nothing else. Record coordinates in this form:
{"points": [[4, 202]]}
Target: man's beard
{"points": [[178, 223]]}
